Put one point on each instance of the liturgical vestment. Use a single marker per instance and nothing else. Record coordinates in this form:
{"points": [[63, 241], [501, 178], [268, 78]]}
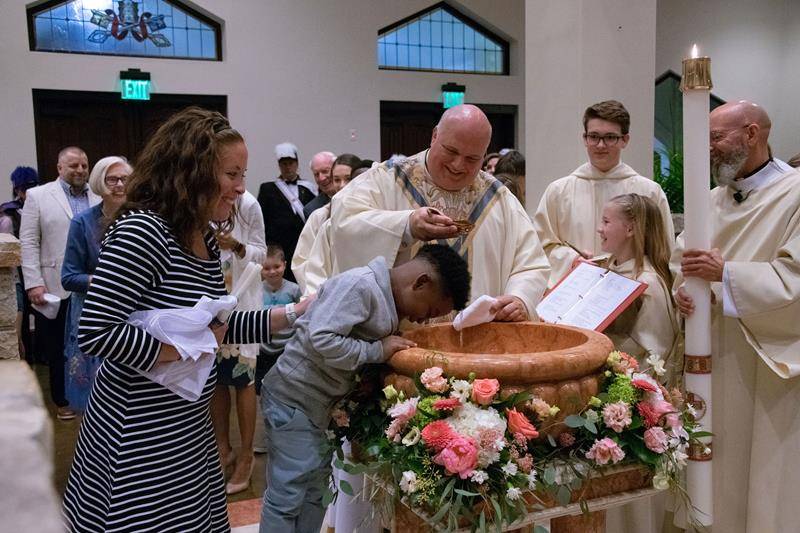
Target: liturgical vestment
{"points": [[571, 210], [305, 245], [756, 353], [370, 217]]}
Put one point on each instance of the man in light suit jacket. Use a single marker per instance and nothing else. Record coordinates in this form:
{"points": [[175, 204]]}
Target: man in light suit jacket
{"points": [[43, 233]]}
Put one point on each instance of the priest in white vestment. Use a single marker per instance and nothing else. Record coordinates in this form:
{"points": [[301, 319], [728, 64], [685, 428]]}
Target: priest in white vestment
{"points": [[572, 207], [754, 270], [437, 195], [441, 195]]}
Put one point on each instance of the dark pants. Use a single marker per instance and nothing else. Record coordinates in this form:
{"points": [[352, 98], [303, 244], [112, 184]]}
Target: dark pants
{"points": [[263, 364], [50, 341]]}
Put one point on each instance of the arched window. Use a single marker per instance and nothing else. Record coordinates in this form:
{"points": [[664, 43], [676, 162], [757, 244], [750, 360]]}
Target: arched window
{"points": [[442, 39], [148, 28]]}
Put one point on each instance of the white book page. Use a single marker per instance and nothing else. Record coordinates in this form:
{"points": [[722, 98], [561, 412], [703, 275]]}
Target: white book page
{"points": [[569, 292], [600, 302]]}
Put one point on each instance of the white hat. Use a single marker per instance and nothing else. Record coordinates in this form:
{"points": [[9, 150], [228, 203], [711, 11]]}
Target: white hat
{"points": [[285, 150], [50, 307]]}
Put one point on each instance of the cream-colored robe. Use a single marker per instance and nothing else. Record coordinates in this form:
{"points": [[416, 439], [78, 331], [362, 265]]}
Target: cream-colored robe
{"points": [[305, 244], [370, 217], [571, 210], [650, 325], [756, 359]]}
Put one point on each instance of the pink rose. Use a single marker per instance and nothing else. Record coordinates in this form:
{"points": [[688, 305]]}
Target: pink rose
{"points": [[484, 390], [446, 404], [519, 424], [433, 380], [459, 457], [604, 451], [438, 434], [655, 439], [652, 411], [617, 416]]}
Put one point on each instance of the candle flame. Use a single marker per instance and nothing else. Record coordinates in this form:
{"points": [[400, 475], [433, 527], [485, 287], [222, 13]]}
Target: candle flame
{"points": [[694, 51]]}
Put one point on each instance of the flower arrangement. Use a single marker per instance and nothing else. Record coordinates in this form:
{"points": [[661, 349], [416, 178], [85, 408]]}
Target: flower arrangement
{"points": [[462, 453]]}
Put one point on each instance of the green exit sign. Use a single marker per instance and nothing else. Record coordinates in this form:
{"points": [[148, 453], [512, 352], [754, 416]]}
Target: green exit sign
{"points": [[135, 89], [452, 95]]}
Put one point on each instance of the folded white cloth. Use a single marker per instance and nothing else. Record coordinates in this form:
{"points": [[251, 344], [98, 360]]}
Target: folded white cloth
{"points": [[478, 312], [187, 330], [50, 306]]}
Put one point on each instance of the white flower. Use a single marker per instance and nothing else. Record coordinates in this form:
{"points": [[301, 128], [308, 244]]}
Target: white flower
{"points": [[408, 483], [661, 481], [487, 457], [479, 476], [657, 364], [510, 468], [592, 416], [513, 493], [485, 425], [679, 457], [330, 434], [461, 389], [532, 479], [412, 437], [691, 410]]}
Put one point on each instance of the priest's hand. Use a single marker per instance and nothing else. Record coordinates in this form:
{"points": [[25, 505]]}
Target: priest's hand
{"points": [[703, 264], [36, 295], [684, 302], [509, 309], [427, 224]]}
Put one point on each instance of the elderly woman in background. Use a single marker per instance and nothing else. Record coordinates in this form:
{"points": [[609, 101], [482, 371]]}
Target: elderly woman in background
{"points": [[107, 179], [146, 458]]}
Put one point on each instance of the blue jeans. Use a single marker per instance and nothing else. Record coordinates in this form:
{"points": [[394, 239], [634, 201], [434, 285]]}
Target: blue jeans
{"points": [[297, 471]]}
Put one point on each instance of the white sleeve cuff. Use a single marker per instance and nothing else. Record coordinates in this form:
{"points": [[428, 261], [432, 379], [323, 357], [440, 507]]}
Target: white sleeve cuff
{"points": [[408, 238], [728, 305]]}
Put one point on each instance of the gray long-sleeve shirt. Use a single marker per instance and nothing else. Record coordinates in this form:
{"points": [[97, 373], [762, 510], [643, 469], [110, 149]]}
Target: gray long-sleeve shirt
{"points": [[340, 332]]}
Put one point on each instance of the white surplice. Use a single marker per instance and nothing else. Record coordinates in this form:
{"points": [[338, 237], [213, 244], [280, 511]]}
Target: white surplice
{"points": [[756, 355], [305, 246], [571, 210]]}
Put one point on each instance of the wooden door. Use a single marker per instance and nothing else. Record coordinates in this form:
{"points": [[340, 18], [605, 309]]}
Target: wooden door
{"points": [[406, 127], [101, 123]]}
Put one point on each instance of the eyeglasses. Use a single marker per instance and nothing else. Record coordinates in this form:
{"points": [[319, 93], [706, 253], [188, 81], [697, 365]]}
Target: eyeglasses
{"points": [[717, 135], [609, 140], [116, 180]]}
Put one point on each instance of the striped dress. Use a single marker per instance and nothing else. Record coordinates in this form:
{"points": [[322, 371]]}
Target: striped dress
{"points": [[146, 459]]}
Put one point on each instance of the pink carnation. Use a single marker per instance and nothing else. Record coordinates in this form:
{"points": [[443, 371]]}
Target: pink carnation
{"points": [[438, 434], [459, 456], [404, 411], [652, 411], [617, 416], [446, 404], [626, 362], [604, 451], [656, 439], [433, 380]]}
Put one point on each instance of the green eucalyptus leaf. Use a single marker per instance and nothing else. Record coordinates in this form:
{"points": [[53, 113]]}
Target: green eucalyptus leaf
{"points": [[346, 487], [591, 427], [575, 421], [328, 497], [466, 493], [564, 495], [550, 475], [552, 441]]}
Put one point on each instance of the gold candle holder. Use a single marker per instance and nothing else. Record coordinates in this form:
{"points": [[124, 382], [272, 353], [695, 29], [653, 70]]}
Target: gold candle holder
{"points": [[696, 74]]}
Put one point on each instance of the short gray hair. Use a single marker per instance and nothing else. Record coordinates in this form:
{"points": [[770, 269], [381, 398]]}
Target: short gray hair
{"points": [[329, 155], [97, 178]]}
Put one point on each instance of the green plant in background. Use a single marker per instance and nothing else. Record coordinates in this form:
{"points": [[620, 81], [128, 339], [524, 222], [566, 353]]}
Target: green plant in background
{"points": [[671, 177]]}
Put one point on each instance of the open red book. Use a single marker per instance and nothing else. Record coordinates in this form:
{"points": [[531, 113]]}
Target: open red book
{"points": [[589, 297]]}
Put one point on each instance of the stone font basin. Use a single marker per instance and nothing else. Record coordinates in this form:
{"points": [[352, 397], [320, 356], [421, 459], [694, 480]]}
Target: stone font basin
{"points": [[562, 365]]}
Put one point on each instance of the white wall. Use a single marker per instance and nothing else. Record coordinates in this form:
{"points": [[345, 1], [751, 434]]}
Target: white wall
{"points": [[294, 70], [755, 52], [582, 52]]}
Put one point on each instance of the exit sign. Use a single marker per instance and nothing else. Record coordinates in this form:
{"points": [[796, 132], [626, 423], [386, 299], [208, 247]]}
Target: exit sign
{"points": [[452, 95], [135, 89]]}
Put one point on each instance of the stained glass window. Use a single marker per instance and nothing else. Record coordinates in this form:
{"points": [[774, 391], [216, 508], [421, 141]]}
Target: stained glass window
{"points": [[442, 39], [149, 28]]}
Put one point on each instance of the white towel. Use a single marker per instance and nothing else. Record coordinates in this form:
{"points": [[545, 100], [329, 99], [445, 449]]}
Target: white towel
{"points": [[187, 330], [478, 312]]}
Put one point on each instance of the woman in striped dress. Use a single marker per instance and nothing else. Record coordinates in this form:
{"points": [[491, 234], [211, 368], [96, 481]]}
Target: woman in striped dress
{"points": [[146, 459]]}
